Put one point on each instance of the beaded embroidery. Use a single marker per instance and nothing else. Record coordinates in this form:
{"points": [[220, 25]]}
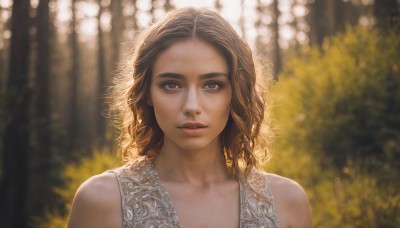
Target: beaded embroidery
{"points": [[146, 203]]}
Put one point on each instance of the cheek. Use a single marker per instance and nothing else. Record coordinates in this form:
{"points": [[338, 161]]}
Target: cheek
{"points": [[227, 100], [162, 115], [156, 98], [156, 102], [221, 105], [165, 108], [226, 104]]}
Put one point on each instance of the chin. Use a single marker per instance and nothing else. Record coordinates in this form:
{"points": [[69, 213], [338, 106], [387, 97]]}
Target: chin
{"points": [[195, 144]]}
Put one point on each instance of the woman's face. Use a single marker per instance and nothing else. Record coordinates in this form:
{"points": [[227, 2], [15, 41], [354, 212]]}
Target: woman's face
{"points": [[191, 94]]}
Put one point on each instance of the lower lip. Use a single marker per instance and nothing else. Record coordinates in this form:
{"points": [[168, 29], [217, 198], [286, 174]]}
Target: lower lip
{"points": [[193, 131]]}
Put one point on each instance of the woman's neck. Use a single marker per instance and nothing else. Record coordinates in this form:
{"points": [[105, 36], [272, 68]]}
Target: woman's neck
{"points": [[198, 167]]}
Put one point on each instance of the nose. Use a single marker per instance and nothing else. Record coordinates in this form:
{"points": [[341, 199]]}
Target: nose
{"points": [[191, 106]]}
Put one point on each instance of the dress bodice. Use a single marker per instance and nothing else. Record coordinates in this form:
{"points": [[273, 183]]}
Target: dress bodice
{"points": [[146, 203]]}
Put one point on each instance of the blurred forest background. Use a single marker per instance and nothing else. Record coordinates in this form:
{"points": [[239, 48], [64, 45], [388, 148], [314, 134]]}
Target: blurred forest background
{"points": [[335, 99]]}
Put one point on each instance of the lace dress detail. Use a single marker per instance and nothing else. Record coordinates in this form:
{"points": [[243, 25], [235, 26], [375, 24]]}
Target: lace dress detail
{"points": [[256, 202], [146, 203]]}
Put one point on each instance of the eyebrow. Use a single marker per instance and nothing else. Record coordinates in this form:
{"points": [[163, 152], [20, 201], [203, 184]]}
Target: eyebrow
{"points": [[202, 76]]}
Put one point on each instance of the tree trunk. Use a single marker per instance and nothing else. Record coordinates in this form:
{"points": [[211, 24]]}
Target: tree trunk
{"points": [[320, 21], [43, 156], [261, 27], [117, 29], [134, 16], [168, 6], [387, 14], [2, 62], [242, 20], [276, 47], [101, 81], [328, 17], [14, 169], [153, 10], [314, 25], [218, 5], [295, 26], [73, 125], [5, 25]]}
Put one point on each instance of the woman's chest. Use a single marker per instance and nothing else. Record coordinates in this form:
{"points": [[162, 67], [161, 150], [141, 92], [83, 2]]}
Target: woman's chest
{"points": [[206, 206], [149, 202]]}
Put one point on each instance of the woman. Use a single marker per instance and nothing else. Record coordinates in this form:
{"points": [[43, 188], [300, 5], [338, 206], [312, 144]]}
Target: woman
{"points": [[193, 115]]}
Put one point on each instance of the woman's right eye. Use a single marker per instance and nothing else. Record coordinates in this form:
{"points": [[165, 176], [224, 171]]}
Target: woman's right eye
{"points": [[170, 85]]}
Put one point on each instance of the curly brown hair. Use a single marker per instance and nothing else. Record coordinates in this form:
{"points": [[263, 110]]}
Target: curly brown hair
{"points": [[140, 133]]}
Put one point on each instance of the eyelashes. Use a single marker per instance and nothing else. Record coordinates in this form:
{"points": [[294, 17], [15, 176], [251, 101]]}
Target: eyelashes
{"points": [[214, 85], [170, 85]]}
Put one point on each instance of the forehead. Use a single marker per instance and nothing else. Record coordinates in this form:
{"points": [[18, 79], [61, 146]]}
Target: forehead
{"points": [[188, 57]]}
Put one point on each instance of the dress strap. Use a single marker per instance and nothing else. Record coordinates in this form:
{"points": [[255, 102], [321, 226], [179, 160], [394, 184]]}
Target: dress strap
{"points": [[257, 208], [144, 202]]}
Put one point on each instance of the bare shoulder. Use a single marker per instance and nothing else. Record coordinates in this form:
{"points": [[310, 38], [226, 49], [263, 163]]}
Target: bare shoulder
{"points": [[290, 201], [287, 187], [97, 203]]}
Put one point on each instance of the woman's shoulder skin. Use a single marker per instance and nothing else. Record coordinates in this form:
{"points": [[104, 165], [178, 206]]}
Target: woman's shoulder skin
{"points": [[97, 203], [290, 202]]}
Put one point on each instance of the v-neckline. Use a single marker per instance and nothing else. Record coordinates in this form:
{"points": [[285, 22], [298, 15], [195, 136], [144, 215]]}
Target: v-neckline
{"points": [[163, 191]]}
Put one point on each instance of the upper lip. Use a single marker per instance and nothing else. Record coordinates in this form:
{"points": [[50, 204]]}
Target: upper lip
{"points": [[192, 125]]}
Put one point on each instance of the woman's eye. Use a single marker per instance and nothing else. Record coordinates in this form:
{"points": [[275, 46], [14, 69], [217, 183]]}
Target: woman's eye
{"points": [[170, 85], [213, 85]]}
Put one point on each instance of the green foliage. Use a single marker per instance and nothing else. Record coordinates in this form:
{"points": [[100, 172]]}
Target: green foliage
{"points": [[339, 112], [75, 175], [346, 102]]}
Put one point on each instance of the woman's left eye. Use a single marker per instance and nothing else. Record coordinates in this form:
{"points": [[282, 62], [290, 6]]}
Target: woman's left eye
{"points": [[213, 86]]}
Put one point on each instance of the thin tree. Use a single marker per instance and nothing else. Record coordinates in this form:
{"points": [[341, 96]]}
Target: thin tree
{"points": [[328, 17], [101, 80], [42, 126], [153, 10], [242, 19], [387, 14], [117, 29], [168, 6], [218, 5], [73, 125], [276, 47], [260, 45], [295, 26], [4, 26], [2, 62], [134, 16], [15, 160]]}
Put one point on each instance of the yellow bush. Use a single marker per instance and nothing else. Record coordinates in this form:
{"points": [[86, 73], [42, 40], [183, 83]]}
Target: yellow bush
{"points": [[75, 175], [338, 113]]}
